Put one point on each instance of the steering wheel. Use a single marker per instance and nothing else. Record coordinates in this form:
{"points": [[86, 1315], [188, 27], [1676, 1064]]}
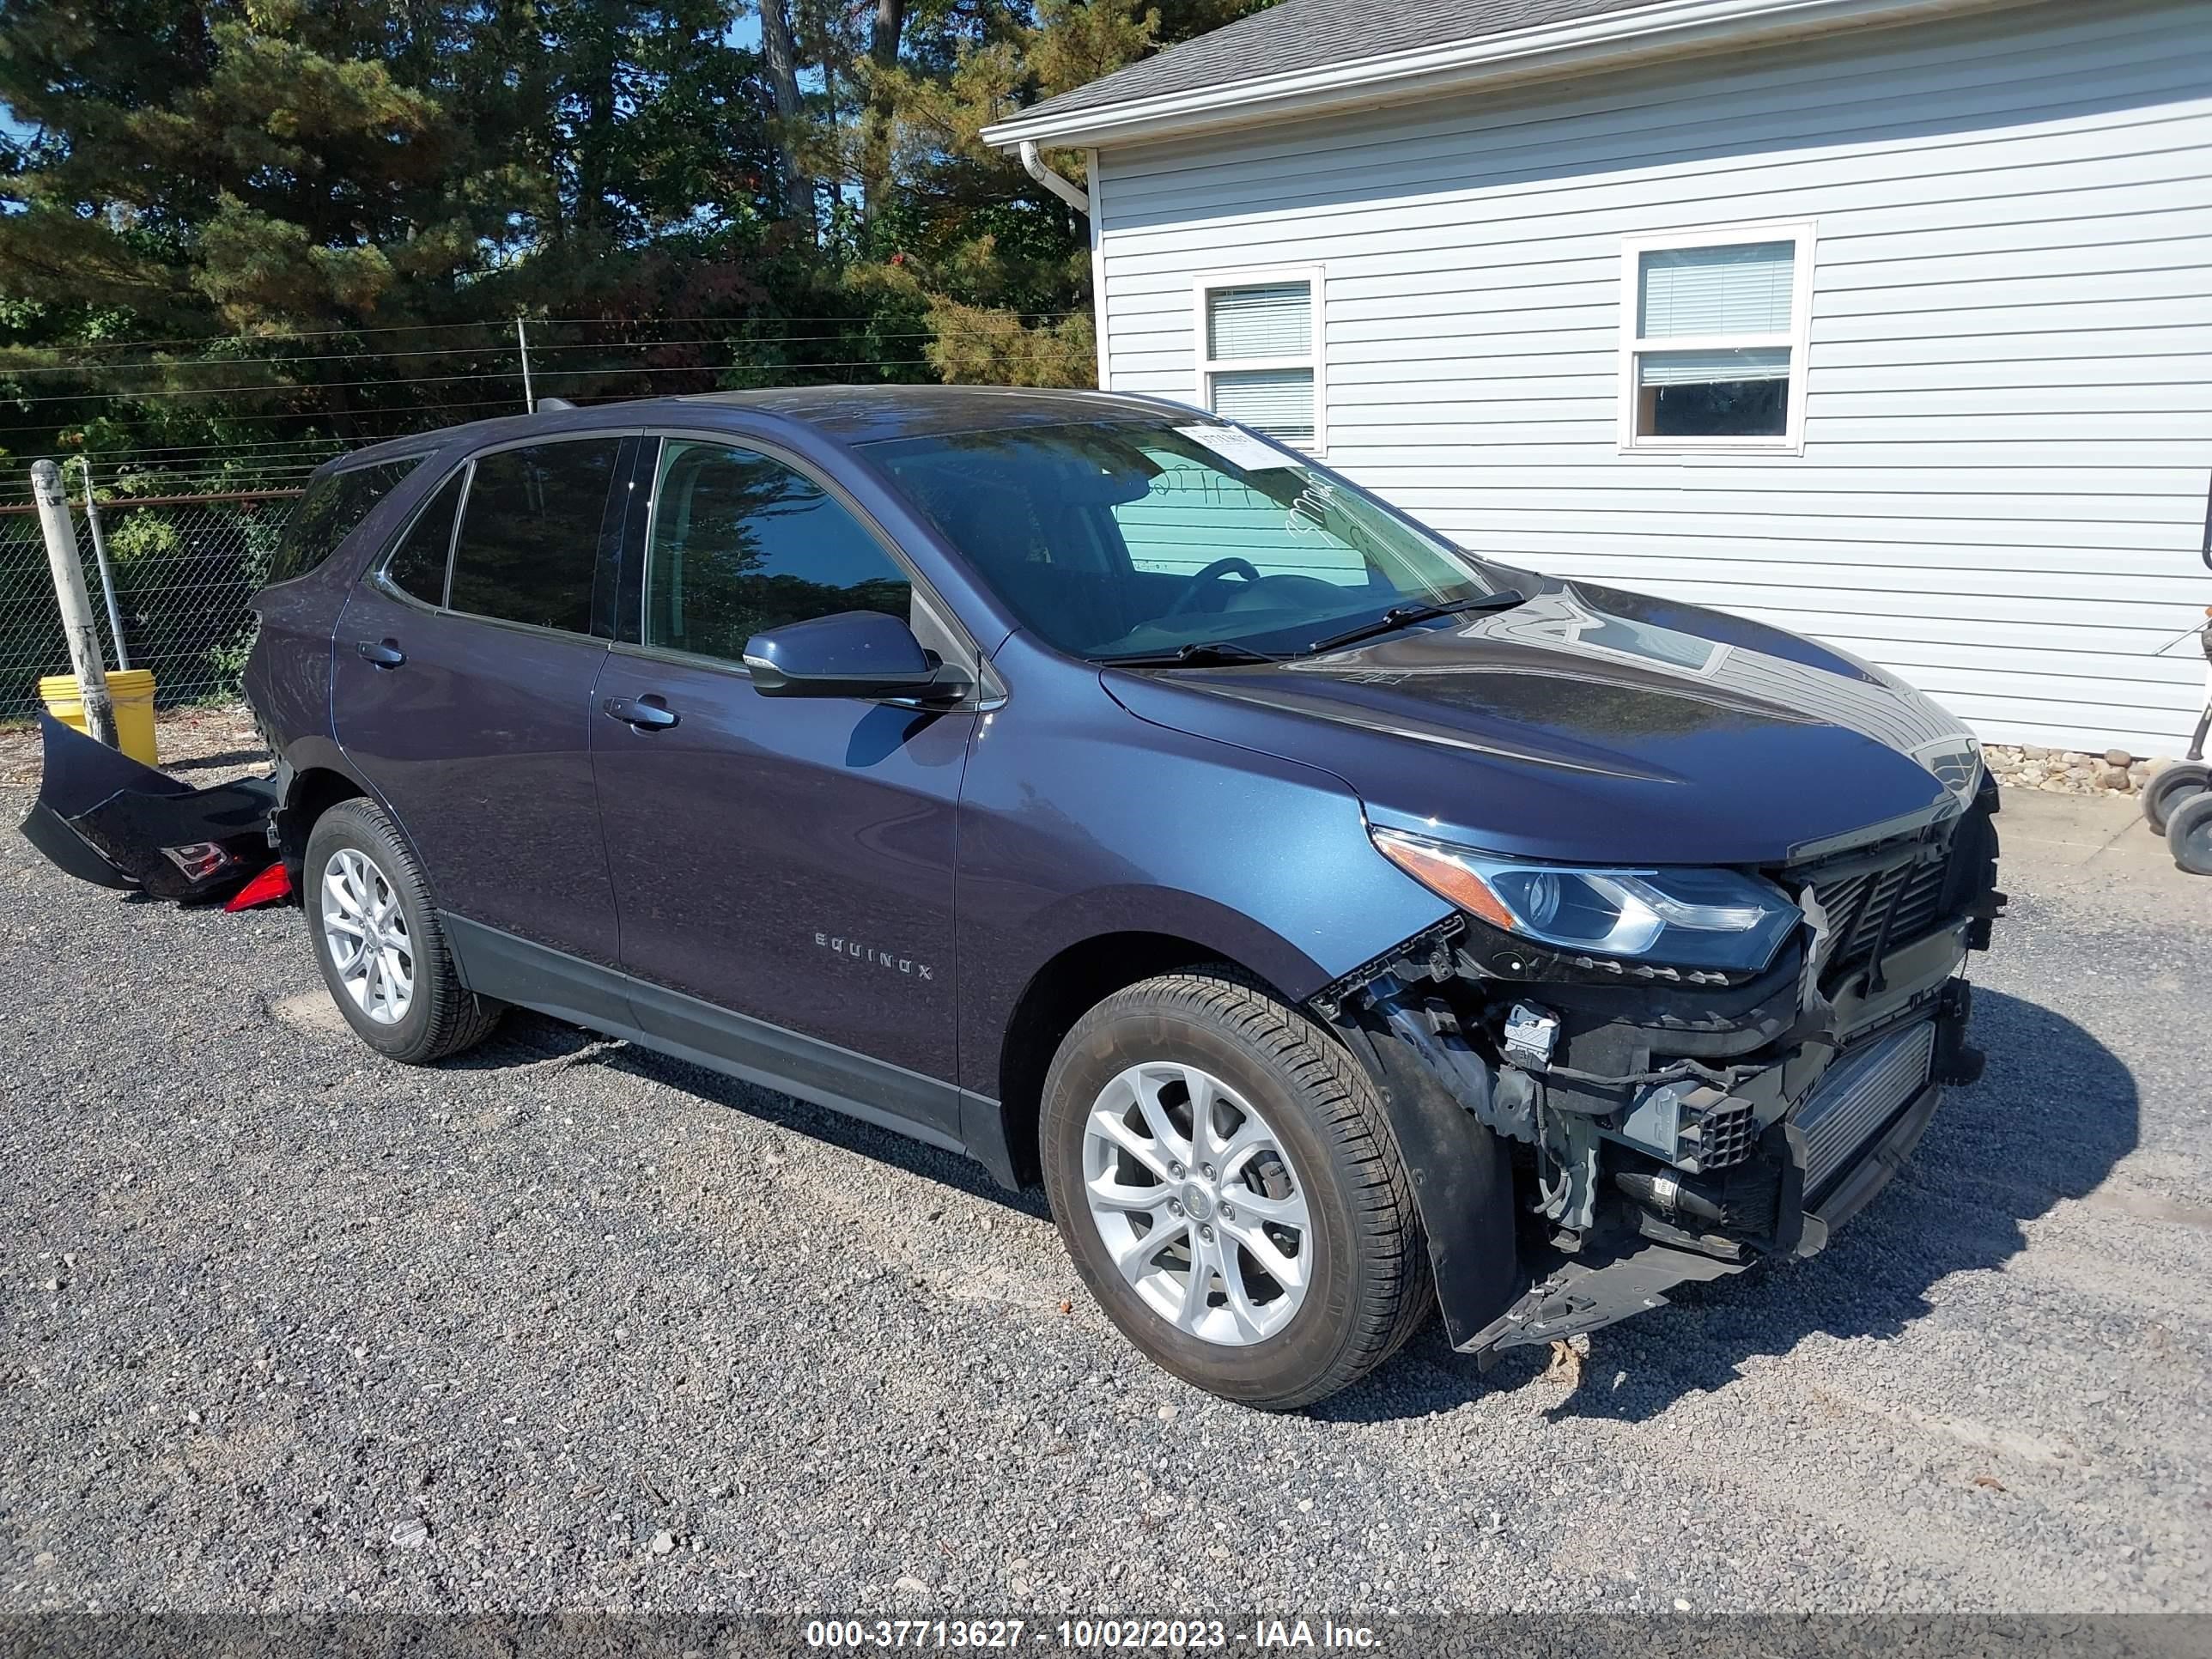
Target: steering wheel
{"points": [[1213, 573]]}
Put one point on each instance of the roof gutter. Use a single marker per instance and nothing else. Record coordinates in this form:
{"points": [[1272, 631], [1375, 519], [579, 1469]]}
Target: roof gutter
{"points": [[1064, 188], [1611, 41]]}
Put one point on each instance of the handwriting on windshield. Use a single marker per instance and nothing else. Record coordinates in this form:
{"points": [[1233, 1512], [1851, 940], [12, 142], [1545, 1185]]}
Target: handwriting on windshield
{"points": [[1309, 514]]}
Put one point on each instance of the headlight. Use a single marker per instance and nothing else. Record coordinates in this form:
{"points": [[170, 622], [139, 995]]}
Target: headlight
{"points": [[1684, 918]]}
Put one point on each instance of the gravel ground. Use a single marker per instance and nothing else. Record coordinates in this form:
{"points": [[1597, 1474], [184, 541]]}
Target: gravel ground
{"points": [[565, 1324]]}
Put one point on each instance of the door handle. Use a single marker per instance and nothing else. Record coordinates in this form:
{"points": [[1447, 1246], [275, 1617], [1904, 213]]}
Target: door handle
{"points": [[646, 713], [384, 653]]}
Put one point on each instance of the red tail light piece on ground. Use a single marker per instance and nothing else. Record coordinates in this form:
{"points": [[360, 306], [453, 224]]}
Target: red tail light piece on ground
{"points": [[271, 886]]}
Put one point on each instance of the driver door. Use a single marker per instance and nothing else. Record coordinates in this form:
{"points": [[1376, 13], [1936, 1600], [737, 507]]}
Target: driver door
{"points": [[784, 864]]}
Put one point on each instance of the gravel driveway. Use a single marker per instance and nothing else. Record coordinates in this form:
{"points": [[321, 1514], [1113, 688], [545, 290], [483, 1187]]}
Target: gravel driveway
{"points": [[566, 1324]]}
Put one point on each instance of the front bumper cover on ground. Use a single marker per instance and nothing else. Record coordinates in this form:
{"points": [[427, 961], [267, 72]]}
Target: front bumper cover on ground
{"points": [[104, 818]]}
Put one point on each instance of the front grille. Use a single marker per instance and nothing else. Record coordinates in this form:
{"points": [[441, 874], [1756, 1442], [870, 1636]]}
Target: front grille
{"points": [[1871, 911], [1861, 1092]]}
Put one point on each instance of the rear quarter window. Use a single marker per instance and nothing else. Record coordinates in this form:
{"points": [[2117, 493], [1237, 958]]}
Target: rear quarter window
{"points": [[331, 511]]}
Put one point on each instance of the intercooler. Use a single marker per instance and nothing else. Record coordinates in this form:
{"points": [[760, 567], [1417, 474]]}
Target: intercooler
{"points": [[1861, 1091]]}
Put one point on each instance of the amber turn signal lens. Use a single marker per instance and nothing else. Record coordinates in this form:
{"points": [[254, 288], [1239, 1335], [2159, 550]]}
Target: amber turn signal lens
{"points": [[1444, 876]]}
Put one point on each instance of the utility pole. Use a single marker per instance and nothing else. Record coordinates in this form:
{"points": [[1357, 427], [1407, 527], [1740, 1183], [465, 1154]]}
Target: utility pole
{"points": [[107, 575], [522, 339], [76, 607]]}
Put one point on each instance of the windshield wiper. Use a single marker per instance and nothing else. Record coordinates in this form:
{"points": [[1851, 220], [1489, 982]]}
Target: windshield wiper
{"points": [[1201, 653], [1404, 616]]}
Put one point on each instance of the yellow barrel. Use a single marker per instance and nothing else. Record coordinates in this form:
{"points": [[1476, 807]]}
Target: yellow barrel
{"points": [[132, 690]]}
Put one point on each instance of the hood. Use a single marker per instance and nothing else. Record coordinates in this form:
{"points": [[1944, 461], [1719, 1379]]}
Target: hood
{"points": [[1592, 725]]}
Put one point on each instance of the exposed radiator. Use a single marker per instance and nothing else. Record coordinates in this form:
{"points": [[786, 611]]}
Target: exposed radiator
{"points": [[1860, 1093]]}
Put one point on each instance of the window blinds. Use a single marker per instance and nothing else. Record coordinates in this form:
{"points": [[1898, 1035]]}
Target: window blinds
{"points": [[1743, 290], [1711, 368], [1275, 320], [1279, 401]]}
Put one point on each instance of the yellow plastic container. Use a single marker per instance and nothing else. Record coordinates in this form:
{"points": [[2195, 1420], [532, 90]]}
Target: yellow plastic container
{"points": [[132, 690]]}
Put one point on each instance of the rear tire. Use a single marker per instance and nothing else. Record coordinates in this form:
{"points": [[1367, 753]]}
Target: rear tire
{"points": [[379, 943], [2189, 834], [2164, 794], [1291, 1208]]}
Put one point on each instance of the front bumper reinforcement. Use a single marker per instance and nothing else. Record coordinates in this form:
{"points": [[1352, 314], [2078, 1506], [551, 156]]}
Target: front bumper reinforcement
{"points": [[1578, 1296]]}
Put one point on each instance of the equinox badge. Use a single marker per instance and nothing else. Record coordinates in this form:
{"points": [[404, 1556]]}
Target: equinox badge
{"points": [[859, 952]]}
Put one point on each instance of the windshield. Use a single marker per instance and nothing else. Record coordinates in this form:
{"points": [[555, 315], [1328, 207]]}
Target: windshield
{"points": [[1133, 538]]}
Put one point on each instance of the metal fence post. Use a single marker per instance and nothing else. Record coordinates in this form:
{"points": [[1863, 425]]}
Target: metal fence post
{"points": [[76, 607], [522, 339], [107, 575]]}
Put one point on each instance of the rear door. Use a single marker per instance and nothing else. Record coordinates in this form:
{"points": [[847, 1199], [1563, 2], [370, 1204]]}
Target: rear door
{"points": [[465, 663]]}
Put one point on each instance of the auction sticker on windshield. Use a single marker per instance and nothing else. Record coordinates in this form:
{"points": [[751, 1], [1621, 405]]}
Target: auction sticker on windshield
{"points": [[1239, 448]]}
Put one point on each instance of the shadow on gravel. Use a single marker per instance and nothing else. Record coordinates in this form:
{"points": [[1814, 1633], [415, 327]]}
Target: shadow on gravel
{"points": [[227, 757], [525, 1039], [2053, 1114]]}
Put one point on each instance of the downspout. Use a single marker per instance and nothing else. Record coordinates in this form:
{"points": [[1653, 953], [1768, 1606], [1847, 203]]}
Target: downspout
{"points": [[1064, 188]]}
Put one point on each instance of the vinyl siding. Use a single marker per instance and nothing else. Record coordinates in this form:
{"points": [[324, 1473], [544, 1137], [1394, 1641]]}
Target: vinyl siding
{"points": [[2003, 490]]}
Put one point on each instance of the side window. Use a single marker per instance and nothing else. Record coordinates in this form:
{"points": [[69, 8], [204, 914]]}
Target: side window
{"points": [[331, 511], [741, 543], [529, 546], [417, 568]]}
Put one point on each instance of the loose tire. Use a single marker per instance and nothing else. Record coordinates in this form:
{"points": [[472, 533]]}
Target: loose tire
{"points": [[377, 939], [1199, 1132], [2165, 792], [2189, 833]]}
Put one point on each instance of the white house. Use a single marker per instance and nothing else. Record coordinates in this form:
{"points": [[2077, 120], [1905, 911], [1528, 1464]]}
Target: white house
{"points": [[1888, 321]]}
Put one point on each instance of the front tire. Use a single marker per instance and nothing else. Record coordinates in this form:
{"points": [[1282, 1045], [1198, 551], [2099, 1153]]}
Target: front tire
{"points": [[1226, 1182], [379, 943]]}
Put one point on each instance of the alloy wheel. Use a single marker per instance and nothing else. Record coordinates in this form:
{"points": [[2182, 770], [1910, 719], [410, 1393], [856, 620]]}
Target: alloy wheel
{"points": [[1198, 1204], [366, 931]]}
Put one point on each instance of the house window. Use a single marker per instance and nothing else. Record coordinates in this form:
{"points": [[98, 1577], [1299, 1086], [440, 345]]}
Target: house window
{"points": [[1713, 339], [1259, 353]]}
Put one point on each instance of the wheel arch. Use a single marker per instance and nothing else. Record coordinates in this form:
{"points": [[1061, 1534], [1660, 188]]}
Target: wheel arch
{"points": [[316, 784], [1067, 986]]}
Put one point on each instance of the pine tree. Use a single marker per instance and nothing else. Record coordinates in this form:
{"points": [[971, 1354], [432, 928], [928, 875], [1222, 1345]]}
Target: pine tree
{"points": [[233, 174]]}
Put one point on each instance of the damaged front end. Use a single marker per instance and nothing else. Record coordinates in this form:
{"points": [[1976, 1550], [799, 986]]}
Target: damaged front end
{"points": [[104, 818], [1653, 1124]]}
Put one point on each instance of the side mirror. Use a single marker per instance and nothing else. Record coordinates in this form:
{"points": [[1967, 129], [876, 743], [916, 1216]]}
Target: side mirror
{"points": [[854, 654]]}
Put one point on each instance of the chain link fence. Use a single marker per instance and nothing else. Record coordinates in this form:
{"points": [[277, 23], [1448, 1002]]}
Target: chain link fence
{"points": [[183, 567]]}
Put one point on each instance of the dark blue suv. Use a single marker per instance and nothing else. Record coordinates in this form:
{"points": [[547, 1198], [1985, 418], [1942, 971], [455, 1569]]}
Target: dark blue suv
{"points": [[1338, 924]]}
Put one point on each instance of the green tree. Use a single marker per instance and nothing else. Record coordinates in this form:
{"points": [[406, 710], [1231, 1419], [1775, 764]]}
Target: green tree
{"points": [[330, 211], [1004, 262]]}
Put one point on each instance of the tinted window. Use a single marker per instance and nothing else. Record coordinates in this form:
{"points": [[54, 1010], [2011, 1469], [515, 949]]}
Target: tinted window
{"points": [[529, 546], [331, 511], [418, 564], [741, 543]]}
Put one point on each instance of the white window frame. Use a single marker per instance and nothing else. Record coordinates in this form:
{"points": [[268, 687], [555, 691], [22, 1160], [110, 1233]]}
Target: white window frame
{"points": [[1204, 285], [1798, 338]]}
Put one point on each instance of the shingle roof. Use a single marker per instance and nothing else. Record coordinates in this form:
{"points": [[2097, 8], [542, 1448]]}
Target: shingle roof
{"points": [[1299, 34]]}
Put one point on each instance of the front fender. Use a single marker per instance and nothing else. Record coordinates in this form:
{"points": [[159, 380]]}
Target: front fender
{"points": [[1078, 820]]}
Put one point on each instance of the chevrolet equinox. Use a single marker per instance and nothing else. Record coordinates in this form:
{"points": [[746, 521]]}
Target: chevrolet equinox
{"points": [[1341, 926]]}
